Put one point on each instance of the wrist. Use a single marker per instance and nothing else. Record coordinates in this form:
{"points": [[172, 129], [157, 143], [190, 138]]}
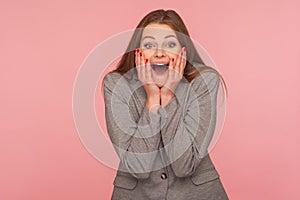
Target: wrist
{"points": [[167, 93], [166, 99], [153, 99], [153, 103]]}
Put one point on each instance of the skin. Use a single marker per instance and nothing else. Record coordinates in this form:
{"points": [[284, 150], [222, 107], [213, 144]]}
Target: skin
{"points": [[159, 49]]}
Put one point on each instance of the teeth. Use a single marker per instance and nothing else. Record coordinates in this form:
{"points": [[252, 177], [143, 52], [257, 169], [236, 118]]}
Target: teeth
{"points": [[160, 67]]}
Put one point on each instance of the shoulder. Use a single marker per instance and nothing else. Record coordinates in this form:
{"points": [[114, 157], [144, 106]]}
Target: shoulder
{"points": [[112, 76], [116, 84], [110, 79], [208, 77]]}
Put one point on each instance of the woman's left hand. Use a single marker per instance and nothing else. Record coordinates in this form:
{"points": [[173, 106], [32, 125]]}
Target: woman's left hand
{"points": [[176, 69]]}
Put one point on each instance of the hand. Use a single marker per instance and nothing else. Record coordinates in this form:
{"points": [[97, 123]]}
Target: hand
{"points": [[176, 69], [145, 76]]}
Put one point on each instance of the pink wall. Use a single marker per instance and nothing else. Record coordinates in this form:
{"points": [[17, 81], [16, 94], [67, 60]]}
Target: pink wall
{"points": [[255, 44]]}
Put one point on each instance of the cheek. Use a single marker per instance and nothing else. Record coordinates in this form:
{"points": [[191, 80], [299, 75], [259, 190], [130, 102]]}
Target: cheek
{"points": [[172, 54], [173, 51], [148, 53], [177, 49]]}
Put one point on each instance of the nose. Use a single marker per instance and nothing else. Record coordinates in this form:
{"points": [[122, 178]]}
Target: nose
{"points": [[159, 52]]}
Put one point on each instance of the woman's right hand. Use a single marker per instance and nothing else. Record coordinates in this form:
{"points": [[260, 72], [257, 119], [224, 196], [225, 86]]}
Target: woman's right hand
{"points": [[145, 76]]}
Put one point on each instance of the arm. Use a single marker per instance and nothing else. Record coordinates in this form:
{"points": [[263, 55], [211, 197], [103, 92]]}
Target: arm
{"points": [[187, 134], [130, 139]]}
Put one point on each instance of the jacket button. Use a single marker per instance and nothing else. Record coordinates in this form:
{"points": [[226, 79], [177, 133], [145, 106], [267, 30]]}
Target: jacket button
{"points": [[163, 176]]}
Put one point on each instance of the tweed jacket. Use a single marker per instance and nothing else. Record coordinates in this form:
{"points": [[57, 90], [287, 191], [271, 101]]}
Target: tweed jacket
{"points": [[163, 155]]}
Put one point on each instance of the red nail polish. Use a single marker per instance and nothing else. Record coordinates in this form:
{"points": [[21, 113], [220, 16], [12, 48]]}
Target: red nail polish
{"points": [[172, 59], [137, 50], [146, 60], [140, 53]]}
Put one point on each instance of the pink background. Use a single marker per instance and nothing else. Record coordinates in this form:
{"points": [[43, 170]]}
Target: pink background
{"points": [[255, 44]]}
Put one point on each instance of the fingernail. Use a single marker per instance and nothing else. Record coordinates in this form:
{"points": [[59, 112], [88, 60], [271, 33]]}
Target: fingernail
{"points": [[184, 49], [146, 60], [172, 59], [140, 53], [137, 50]]}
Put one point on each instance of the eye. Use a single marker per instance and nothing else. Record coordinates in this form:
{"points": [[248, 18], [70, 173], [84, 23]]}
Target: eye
{"points": [[171, 44], [148, 45]]}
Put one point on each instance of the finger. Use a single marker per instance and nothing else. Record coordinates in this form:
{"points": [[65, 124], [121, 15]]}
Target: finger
{"points": [[171, 64], [183, 61], [142, 59], [148, 71], [142, 65], [177, 63], [137, 63]]}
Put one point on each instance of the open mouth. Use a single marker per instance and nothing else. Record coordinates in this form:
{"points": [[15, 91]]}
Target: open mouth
{"points": [[160, 67]]}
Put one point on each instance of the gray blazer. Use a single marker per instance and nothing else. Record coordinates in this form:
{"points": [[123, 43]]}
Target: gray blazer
{"points": [[164, 155]]}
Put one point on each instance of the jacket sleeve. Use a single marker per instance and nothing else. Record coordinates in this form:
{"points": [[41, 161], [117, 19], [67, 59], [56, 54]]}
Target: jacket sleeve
{"points": [[135, 143], [186, 133]]}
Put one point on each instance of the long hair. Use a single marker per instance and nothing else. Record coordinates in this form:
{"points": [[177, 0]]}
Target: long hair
{"points": [[172, 19]]}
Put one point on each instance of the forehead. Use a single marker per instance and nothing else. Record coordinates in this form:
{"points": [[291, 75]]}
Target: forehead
{"points": [[158, 31]]}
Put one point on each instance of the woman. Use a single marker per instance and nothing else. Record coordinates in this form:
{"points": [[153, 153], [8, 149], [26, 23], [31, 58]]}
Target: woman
{"points": [[160, 108]]}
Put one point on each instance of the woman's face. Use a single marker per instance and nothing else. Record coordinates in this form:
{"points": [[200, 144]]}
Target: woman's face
{"points": [[159, 44]]}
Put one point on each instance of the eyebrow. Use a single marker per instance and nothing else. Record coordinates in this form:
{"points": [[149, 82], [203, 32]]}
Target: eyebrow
{"points": [[154, 37]]}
